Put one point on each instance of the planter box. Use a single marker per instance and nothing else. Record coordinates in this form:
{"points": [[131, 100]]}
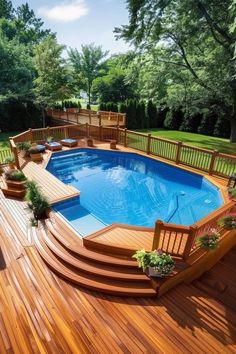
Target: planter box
{"points": [[36, 157], [18, 185], [153, 272]]}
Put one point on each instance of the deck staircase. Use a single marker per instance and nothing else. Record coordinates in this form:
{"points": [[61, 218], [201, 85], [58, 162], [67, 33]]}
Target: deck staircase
{"points": [[65, 254]]}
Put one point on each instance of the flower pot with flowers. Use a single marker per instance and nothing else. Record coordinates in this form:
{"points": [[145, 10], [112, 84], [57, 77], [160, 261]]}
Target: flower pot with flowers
{"points": [[209, 240], [155, 263], [228, 222]]}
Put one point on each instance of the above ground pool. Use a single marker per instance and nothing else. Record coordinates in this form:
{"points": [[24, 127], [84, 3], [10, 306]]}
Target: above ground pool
{"points": [[127, 188]]}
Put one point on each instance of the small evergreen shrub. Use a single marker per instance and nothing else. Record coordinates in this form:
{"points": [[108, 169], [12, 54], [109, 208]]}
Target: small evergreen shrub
{"points": [[37, 202], [173, 119], [207, 124], [15, 175]]}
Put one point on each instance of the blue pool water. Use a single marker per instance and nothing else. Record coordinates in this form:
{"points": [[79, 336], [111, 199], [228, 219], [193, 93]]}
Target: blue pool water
{"points": [[130, 189]]}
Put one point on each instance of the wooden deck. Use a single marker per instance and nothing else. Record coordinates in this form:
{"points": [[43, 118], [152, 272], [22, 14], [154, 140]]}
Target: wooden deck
{"points": [[52, 188], [121, 239], [41, 313]]}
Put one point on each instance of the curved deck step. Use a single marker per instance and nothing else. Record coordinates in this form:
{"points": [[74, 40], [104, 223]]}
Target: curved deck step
{"points": [[78, 249], [91, 266], [92, 282]]}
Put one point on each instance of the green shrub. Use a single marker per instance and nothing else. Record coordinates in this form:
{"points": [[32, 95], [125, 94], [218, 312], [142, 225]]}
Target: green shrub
{"points": [[222, 127], [37, 202], [173, 119], [207, 124], [141, 121], [191, 122], [151, 115], [15, 175], [34, 150]]}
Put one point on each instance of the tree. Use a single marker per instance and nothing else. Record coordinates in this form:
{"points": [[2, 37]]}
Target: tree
{"points": [[87, 66], [194, 45], [113, 86], [51, 84]]}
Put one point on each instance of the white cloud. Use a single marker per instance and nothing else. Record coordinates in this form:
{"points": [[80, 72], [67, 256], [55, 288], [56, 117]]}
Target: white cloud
{"points": [[67, 11]]}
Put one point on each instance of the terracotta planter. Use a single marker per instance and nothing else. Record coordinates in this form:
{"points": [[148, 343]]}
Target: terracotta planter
{"points": [[36, 157]]}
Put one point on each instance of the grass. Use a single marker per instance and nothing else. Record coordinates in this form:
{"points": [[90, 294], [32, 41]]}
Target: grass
{"points": [[4, 139], [203, 141]]}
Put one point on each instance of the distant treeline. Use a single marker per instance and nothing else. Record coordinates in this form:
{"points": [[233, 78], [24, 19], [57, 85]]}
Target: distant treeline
{"points": [[141, 115]]}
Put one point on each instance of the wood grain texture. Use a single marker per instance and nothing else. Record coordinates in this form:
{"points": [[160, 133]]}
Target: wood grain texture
{"points": [[41, 313]]}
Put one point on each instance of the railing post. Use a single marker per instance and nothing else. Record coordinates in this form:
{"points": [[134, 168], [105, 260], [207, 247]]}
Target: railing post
{"points": [[178, 154], [100, 133], [15, 153], [157, 234], [77, 117], [66, 132], [125, 137], [90, 119], [30, 134], [99, 119], [87, 130], [189, 243], [124, 119], [67, 116], [117, 120], [47, 132], [149, 143], [212, 163]]}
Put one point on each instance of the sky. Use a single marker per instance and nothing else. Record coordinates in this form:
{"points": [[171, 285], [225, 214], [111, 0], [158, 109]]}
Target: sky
{"points": [[79, 22]]}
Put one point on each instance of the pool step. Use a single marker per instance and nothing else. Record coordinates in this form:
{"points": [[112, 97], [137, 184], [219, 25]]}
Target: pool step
{"points": [[74, 245], [90, 280], [89, 266]]}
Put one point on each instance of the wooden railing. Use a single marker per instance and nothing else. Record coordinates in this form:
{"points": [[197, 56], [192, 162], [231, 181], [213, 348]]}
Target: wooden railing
{"points": [[83, 116], [180, 241], [212, 162], [4, 153]]}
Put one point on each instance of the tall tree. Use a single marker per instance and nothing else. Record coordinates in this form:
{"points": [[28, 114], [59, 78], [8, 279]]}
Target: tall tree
{"points": [[87, 65], [51, 84], [194, 45]]}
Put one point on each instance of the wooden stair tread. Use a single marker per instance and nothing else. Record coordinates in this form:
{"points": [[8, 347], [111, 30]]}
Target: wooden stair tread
{"points": [[89, 281], [82, 251], [91, 266]]}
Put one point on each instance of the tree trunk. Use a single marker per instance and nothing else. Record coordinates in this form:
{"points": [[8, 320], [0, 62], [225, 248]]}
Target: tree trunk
{"points": [[233, 128]]}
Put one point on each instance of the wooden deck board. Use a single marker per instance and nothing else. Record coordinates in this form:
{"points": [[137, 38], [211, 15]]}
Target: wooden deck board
{"points": [[52, 188], [41, 313]]}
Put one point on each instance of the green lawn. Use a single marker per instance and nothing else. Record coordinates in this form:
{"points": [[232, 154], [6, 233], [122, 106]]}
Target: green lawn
{"points": [[4, 139], [203, 141]]}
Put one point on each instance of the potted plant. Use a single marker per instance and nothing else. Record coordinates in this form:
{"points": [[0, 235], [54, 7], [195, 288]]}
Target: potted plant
{"points": [[35, 154], [155, 263], [37, 202], [49, 139], [16, 183], [24, 147], [10, 160], [209, 240], [228, 222], [232, 193]]}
